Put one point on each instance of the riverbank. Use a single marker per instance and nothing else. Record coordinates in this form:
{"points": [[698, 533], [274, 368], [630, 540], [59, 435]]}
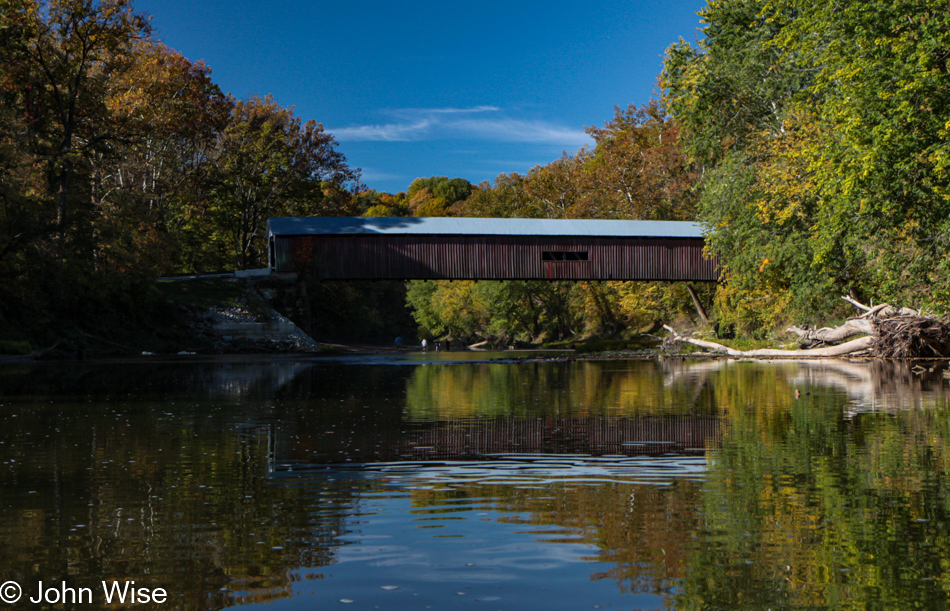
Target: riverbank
{"points": [[228, 315]]}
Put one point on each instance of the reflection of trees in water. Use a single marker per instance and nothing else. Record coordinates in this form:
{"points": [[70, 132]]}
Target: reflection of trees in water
{"points": [[643, 533], [869, 385], [478, 438], [469, 411], [583, 388], [140, 379], [135, 491], [834, 496]]}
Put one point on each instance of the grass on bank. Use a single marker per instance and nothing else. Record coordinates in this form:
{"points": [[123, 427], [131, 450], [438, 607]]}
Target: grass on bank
{"points": [[599, 344]]}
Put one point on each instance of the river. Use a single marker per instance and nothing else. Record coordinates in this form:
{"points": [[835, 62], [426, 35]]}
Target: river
{"points": [[478, 481]]}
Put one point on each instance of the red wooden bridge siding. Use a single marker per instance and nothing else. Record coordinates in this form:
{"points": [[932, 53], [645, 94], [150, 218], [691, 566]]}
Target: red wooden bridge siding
{"points": [[492, 257], [500, 258]]}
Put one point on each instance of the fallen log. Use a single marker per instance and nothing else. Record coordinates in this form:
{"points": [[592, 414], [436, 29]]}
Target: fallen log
{"points": [[888, 332], [851, 347], [828, 335]]}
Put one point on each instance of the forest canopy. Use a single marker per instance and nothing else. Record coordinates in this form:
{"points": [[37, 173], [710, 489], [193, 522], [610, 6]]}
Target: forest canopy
{"points": [[811, 140], [822, 134], [121, 160]]}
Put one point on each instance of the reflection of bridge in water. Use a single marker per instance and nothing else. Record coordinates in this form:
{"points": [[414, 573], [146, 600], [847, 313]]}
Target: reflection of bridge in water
{"points": [[473, 439], [393, 431]]}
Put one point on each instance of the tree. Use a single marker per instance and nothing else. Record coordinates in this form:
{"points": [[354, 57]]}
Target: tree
{"points": [[880, 158], [639, 169], [452, 190], [435, 196], [172, 114], [822, 130], [78, 46], [268, 164], [636, 170], [736, 83], [505, 198], [21, 183], [57, 59], [447, 308]]}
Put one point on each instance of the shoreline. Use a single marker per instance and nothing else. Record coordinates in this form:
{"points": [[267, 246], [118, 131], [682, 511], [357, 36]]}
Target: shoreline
{"points": [[366, 349]]}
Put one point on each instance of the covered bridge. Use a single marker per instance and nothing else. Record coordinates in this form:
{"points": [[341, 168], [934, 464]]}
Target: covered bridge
{"points": [[375, 248]]}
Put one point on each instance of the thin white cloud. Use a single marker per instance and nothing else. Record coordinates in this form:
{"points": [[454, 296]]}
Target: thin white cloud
{"points": [[392, 132], [446, 111], [477, 123], [370, 174], [517, 130]]}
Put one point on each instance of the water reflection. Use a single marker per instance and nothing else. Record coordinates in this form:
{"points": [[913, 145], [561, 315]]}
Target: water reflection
{"points": [[836, 498], [711, 484]]}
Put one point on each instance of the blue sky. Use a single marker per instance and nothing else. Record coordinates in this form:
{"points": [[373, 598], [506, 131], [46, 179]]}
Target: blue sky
{"points": [[414, 89]]}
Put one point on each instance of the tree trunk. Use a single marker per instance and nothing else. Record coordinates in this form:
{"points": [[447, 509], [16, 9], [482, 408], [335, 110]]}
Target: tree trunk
{"points": [[857, 345], [888, 333], [697, 304]]}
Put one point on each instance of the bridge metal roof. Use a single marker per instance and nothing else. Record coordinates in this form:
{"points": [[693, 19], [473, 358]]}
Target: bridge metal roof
{"points": [[312, 226]]}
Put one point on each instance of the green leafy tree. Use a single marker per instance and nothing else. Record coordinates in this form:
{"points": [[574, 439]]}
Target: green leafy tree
{"points": [[879, 157], [822, 130], [736, 82], [435, 196], [447, 308], [452, 190]]}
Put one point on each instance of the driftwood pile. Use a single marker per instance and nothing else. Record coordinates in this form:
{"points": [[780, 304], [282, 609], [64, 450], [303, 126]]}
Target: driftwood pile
{"points": [[912, 337], [887, 332]]}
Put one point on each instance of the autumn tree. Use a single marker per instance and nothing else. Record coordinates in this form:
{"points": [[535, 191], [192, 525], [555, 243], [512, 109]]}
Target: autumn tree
{"points": [[145, 190], [436, 195], [638, 168], [77, 47], [549, 191], [57, 59], [120, 160], [450, 189], [383, 204], [22, 184], [269, 164]]}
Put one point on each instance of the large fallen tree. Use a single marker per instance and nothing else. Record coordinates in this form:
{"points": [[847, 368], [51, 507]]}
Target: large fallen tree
{"points": [[885, 332]]}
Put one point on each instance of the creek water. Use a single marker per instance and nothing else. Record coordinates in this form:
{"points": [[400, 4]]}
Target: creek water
{"points": [[479, 481]]}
